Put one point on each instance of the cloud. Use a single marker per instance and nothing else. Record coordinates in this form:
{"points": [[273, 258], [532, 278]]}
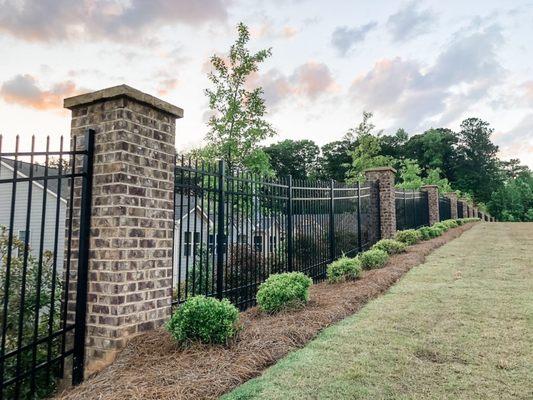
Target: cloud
{"points": [[312, 79], [412, 93], [54, 20], [268, 30], [345, 38], [518, 142], [24, 90], [409, 22], [307, 82]]}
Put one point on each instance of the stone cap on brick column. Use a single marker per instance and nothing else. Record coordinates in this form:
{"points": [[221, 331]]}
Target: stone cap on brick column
{"points": [[122, 91], [428, 187], [451, 194], [380, 169]]}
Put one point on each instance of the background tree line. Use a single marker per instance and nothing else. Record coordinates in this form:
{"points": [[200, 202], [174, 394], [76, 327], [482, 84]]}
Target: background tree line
{"points": [[464, 161]]}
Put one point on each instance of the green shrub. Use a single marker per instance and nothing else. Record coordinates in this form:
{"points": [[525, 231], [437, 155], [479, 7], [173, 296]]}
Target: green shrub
{"points": [[435, 231], [344, 269], [390, 246], [441, 225], [450, 223], [373, 258], [205, 319], [426, 233], [283, 290], [409, 236]]}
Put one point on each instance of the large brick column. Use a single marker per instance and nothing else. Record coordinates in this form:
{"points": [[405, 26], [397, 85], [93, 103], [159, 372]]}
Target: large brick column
{"points": [[433, 202], [453, 203], [384, 178], [130, 264]]}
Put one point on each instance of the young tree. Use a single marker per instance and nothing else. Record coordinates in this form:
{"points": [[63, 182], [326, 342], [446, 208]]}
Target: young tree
{"points": [[237, 125], [298, 158], [367, 153], [410, 175], [435, 178], [435, 148], [477, 168]]}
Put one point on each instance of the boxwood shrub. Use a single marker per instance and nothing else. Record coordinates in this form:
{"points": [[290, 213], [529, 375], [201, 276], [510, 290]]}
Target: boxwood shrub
{"points": [[285, 290], [344, 269], [426, 232], [408, 236], [204, 319], [391, 246], [373, 258]]}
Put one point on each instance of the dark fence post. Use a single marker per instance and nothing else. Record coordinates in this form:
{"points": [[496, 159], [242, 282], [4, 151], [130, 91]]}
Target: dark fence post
{"points": [[289, 227], [332, 220], [220, 228], [83, 264], [359, 238]]}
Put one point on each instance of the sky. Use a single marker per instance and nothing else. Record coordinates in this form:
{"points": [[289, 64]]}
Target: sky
{"points": [[414, 64]]}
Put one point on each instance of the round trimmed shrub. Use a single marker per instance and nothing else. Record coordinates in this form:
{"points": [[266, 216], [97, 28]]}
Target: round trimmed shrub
{"points": [[373, 258], [435, 231], [390, 246], [441, 225], [409, 236], [286, 290], [426, 233], [344, 269], [450, 223], [204, 319]]}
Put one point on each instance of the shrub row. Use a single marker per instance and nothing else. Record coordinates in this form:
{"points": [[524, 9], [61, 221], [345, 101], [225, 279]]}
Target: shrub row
{"points": [[209, 320]]}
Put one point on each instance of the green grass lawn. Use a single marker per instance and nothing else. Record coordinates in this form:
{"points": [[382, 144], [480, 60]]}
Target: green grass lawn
{"points": [[459, 326]]}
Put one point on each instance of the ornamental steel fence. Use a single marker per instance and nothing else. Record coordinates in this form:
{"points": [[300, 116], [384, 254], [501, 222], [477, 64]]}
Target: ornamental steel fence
{"points": [[445, 208], [411, 209], [460, 210], [233, 229], [44, 221]]}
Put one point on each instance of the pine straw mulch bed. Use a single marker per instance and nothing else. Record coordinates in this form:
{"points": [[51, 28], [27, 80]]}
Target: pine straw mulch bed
{"points": [[153, 366]]}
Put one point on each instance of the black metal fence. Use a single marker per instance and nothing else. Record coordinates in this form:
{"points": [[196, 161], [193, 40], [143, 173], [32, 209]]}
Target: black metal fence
{"points": [[234, 229], [460, 210], [445, 208], [38, 205], [411, 209]]}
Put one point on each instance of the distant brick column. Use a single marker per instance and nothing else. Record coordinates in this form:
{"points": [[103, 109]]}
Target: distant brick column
{"points": [[453, 204], [130, 264], [384, 177], [433, 202]]}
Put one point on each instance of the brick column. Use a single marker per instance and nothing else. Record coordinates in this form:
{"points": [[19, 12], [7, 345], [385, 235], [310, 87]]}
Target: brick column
{"points": [[384, 178], [453, 203], [433, 202], [130, 264]]}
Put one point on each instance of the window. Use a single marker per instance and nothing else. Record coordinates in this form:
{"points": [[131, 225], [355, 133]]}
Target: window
{"points": [[211, 242], [187, 244], [23, 235], [258, 243], [272, 243], [187, 250]]}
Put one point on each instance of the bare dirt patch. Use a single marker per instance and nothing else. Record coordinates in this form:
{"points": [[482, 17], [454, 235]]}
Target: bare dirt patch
{"points": [[153, 366]]}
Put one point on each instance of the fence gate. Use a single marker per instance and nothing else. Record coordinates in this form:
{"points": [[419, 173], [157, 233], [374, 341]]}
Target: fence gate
{"points": [[44, 227]]}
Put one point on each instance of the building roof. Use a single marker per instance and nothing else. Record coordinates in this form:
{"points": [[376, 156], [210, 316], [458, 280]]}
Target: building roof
{"points": [[24, 168]]}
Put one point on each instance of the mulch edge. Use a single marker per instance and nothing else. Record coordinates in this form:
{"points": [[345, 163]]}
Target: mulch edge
{"points": [[218, 370]]}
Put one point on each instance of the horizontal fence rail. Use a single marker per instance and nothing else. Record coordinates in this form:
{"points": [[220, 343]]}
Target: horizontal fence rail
{"points": [[38, 205], [445, 208], [411, 209], [234, 229]]}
